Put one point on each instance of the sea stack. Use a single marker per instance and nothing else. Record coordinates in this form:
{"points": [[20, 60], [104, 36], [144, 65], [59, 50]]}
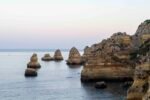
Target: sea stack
{"points": [[109, 60], [86, 54], [30, 72], [74, 57], [58, 56], [34, 62], [47, 57]]}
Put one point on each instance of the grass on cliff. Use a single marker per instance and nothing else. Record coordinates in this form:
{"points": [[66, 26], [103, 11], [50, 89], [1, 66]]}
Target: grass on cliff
{"points": [[143, 50], [147, 21]]}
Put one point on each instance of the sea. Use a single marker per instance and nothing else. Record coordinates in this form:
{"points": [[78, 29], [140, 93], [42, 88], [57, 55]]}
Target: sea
{"points": [[55, 80]]}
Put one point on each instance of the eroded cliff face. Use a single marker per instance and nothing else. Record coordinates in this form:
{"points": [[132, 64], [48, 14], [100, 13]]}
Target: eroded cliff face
{"points": [[140, 89], [142, 34], [109, 60], [112, 59]]}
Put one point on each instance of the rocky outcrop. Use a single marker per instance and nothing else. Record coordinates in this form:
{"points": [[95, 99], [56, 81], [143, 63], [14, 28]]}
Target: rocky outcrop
{"points": [[74, 57], [140, 89], [147, 95], [58, 55], [100, 85], [86, 54], [113, 58], [142, 34], [109, 60], [30, 72], [47, 57], [34, 62]]}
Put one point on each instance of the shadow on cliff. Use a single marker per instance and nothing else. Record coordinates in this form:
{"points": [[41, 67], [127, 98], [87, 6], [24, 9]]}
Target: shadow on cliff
{"points": [[74, 66]]}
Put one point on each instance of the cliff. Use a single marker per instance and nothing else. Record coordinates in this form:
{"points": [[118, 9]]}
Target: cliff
{"points": [[109, 60], [140, 89], [113, 58]]}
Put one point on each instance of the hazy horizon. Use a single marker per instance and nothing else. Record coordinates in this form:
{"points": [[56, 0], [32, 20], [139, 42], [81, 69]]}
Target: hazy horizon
{"points": [[52, 24]]}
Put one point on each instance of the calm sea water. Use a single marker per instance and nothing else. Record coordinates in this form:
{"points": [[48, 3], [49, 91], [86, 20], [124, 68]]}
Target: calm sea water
{"points": [[55, 81]]}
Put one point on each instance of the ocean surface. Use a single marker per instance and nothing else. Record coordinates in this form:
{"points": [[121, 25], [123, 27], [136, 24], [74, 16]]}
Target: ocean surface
{"points": [[55, 81]]}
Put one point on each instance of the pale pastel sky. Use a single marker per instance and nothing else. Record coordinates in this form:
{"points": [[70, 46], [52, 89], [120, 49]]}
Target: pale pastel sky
{"points": [[52, 24]]}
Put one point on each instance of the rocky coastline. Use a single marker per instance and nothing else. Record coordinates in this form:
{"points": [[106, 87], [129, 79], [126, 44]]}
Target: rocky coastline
{"points": [[111, 58], [120, 58]]}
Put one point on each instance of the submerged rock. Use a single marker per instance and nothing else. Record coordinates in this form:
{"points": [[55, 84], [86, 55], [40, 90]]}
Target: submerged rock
{"points": [[74, 57], [34, 62], [47, 57], [58, 55], [100, 85], [30, 72]]}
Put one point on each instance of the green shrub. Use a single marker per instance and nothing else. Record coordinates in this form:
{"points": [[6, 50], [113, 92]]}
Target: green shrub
{"points": [[147, 21], [143, 49]]}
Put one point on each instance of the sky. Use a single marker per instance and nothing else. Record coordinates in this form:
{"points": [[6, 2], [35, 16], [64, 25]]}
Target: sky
{"points": [[52, 24]]}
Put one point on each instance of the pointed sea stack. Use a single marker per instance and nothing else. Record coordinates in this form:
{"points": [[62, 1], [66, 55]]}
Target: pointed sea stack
{"points": [[74, 57], [34, 62], [30, 72], [47, 57], [58, 56]]}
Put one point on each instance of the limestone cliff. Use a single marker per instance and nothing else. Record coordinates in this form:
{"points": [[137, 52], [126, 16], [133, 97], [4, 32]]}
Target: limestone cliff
{"points": [[142, 34], [140, 86], [113, 58], [109, 60]]}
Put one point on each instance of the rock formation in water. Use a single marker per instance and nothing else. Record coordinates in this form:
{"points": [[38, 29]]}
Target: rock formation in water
{"points": [[109, 60], [34, 55], [58, 55], [86, 55], [140, 89], [100, 85], [47, 57], [74, 57], [112, 59], [34, 62], [30, 72]]}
